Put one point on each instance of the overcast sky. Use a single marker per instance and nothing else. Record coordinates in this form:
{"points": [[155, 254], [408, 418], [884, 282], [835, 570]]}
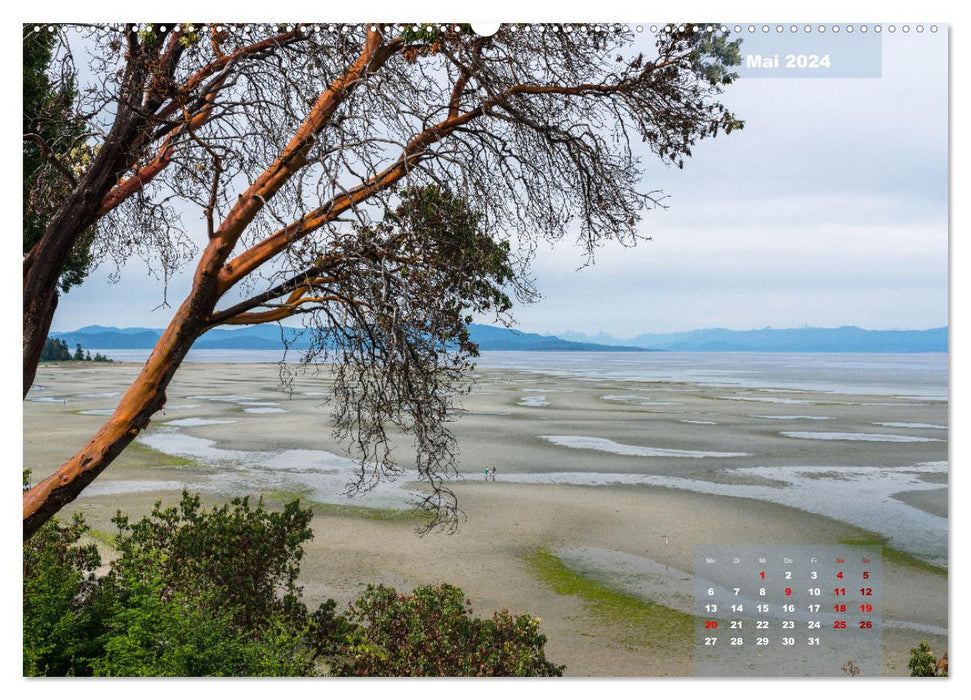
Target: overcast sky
{"points": [[828, 209]]}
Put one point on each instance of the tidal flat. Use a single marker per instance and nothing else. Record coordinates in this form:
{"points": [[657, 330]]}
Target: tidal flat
{"points": [[605, 484]]}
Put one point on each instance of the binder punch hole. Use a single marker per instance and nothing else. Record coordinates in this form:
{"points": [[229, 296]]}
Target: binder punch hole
{"points": [[491, 29]]}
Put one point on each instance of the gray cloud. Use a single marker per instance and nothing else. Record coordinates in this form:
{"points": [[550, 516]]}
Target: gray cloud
{"points": [[829, 208]]}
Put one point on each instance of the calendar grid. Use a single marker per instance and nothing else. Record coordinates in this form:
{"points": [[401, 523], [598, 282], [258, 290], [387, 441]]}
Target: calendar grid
{"points": [[788, 611]]}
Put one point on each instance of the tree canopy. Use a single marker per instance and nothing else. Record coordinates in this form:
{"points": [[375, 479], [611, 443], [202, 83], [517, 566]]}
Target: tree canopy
{"points": [[382, 183]]}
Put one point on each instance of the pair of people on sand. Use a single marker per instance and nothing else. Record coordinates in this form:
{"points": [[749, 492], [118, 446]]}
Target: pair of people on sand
{"points": [[489, 473]]}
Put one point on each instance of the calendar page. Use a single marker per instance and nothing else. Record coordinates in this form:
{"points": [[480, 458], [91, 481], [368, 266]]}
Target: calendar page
{"points": [[431, 347]]}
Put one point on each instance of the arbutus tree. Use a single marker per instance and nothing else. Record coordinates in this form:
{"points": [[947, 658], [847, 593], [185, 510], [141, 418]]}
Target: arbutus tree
{"points": [[49, 122], [381, 182]]}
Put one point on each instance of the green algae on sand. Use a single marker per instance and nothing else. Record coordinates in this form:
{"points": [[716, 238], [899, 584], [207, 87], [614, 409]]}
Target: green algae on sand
{"points": [[638, 623]]}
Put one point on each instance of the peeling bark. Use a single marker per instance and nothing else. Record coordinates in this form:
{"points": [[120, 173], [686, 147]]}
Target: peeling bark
{"points": [[144, 397], [37, 324], [561, 172], [43, 266]]}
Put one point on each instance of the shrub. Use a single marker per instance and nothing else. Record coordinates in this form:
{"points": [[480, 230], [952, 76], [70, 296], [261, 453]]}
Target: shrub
{"points": [[210, 593], [191, 593], [214, 593], [924, 663], [432, 633], [249, 556], [60, 620], [152, 633]]}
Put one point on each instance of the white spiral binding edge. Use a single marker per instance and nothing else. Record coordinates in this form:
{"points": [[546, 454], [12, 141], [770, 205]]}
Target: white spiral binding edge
{"points": [[541, 28]]}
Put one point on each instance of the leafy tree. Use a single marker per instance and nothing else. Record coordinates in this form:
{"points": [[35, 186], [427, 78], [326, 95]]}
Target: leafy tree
{"points": [[372, 231], [53, 139], [432, 633], [55, 350], [53, 134]]}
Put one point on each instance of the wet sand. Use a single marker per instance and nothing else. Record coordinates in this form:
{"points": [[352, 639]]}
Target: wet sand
{"points": [[933, 501], [228, 429]]}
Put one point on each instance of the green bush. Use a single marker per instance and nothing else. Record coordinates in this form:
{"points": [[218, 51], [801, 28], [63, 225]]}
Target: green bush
{"points": [[60, 615], [197, 593], [249, 556], [191, 593], [433, 633], [213, 593], [152, 633], [923, 662]]}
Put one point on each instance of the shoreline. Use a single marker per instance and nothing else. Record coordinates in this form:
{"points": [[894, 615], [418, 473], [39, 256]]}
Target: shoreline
{"points": [[488, 557], [237, 432]]}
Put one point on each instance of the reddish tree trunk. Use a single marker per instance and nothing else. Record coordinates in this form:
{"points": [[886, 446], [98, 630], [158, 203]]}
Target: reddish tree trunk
{"points": [[44, 265], [144, 397], [37, 324], [79, 211]]}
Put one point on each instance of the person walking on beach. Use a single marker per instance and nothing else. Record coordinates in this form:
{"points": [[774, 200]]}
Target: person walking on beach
{"points": [[493, 473], [485, 473]]}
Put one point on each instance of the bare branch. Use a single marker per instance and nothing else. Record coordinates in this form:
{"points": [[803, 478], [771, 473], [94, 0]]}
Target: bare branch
{"points": [[51, 158]]}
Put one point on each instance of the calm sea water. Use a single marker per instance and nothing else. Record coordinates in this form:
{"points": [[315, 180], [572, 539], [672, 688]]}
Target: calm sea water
{"points": [[922, 375]]}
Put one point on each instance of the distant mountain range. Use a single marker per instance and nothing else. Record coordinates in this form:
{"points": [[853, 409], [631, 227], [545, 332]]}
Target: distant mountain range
{"points": [[271, 337], [842, 339], [497, 338], [492, 338]]}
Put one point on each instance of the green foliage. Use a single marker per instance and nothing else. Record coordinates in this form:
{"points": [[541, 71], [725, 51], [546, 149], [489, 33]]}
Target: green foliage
{"points": [[197, 592], [209, 593], [48, 111], [715, 55], [192, 593], [250, 555], [643, 623], [446, 258], [61, 616], [55, 350], [147, 36], [709, 56], [432, 633], [923, 663], [427, 39], [189, 36], [153, 630], [432, 33]]}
